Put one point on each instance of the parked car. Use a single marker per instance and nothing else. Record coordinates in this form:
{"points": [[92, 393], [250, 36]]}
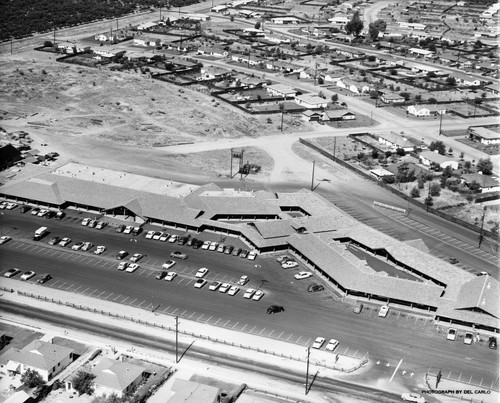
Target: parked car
{"points": [[275, 309], [358, 308], [4, 239], [282, 258], [233, 290], [318, 343], [173, 238], [412, 397], [213, 246], [492, 343], [252, 255], [221, 248], [249, 293], [87, 246], [101, 224], [44, 278], [54, 240], [122, 265], [384, 310], [302, 275], [332, 344], [157, 235], [60, 215], [243, 280], [120, 228], [201, 272], [170, 276], [468, 338], [149, 234], [161, 275], [24, 209], [64, 242], [243, 253], [3, 205], [99, 250], [92, 223], [42, 213], [122, 254], [178, 255], [200, 283], [214, 285], [132, 267], [224, 287], [136, 231], [35, 211], [11, 206], [315, 288], [229, 249], [164, 237], [289, 264], [27, 275], [12, 272], [182, 240], [258, 295], [452, 334], [50, 214], [206, 245], [77, 246], [128, 229], [168, 264], [236, 252], [136, 257]]}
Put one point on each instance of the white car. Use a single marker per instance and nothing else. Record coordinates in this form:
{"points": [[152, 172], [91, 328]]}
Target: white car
{"points": [[122, 265], [157, 235], [11, 273], [252, 255], [201, 272], [468, 338], [243, 280], [318, 342], [101, 224], [258, 295], [206, 245], [168, 264], [452, 334], [289, 264], [214, 285], [64, 242], [164, 237], [221, 248], [150, 234], [11, 206], [87, 246], [224, 287], [332, 344], [384, 310], [99, 250], [213, 246], [412, 397], [249, 293], [42, 213], [128, 229], [85, 221], [170, 276], [302, 275], [4, 239], [132, 267], [77, 246], [28, 275], [233, 290], [136, 257], [200, 283], [173, 238]]}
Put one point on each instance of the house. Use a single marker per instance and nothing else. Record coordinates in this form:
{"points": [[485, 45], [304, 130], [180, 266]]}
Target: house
{"points": [[421, 52], [219, 9], [146, 25], [285, 20], [484, 135], [311, 101], [214, 51], [312, 116], [486, 183], [465, 79], [354, 87], [392, 98], [493, 88], [9, 155], [339, 22], [381, 173], [426, 110], [143, 40], [281, 90], [396, 141], [108, 53], [429, 158], [46, 358], [118, 377], [20, 397], [412, 26], [212, 73], [337, 115], [193, 392]]}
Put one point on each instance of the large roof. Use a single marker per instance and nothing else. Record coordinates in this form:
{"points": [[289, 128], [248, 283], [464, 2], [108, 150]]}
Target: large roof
{"points": [[116, 375], [38, 354]]}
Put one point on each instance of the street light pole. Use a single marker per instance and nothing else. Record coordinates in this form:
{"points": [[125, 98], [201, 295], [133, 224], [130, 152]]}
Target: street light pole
{"points": [[312, 179], [176, 339], [307, 369]]}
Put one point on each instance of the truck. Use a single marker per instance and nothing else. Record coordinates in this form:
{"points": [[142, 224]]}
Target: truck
{"points": [[40, 233]]}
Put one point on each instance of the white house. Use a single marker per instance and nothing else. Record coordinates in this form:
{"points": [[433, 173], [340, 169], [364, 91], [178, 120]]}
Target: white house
{"points": [[281, 90], [395, 141], [284, 20], [311, 101], [412, 26], [143, 40], [433, 157], [421, 52], [426, 110], [465, 79], [484, 135], [486, 183], [337, 115], [211, 73], [392, 98], [118, 377], [354, 87]]}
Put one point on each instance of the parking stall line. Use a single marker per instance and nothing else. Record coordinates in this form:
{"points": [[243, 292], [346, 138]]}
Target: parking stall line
{"points": [[199, 318], [269, 335], [54, 283], [83, 292], [253, 328], [141, 303], [46, 251], [119, 295], [165, 310], [189, 317], [209, 319], [77, 289], [130, 303], [243, 328], [291, 334], [279, 337], [183, 313], [62, 284], [110, 294], [298, 340], [174, 311], [217, 321], [101, 294], [236, 324], [181, 279], [124, 300]]}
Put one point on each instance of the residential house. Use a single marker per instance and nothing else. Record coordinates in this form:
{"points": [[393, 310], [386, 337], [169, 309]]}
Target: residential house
{"points": [[311, 101], [412, 26], [71, 48], [449, 58], [146, 25], [392, 98], [118, 377], [339, 22], [9, 155], [396, 141], [465, 79], [312, 116], [107, 53], [219, 9], [20, 396], [381, 173], [421, 52], [353, 54], [195, 17], [143, 40], [281, 90], [426, 110], [354, 87], [493, 88], [484, 135], [285, 20], [46, 358], [193, 392], [486, 183], [429, 158], [215, 51], [213, 73], [337, 115]]}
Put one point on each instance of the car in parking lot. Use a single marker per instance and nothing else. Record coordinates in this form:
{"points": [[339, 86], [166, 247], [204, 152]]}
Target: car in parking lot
{"points": [[282, 258], [233, 290], [173, 238], [27, 275], [492, 343], [24, 209], [275, 309], [332, 344], [224, 287], [92, 223], [3, 205], [214, 285], [122, 265], [302, 275], [183, 240], [42, 213], [161, 275], [87, 246], [122, 254], [157, 235], [149, 234], [412, 397], [136, 257], [132, 267], [178, 255], [206, 245], [120, 228], [168, 264], [243, 253], [358, 308], [64, 242], [201, 272], [315, 288], [229, 249], [452, 334], [258, 295], [4, 239], [221, 248], [197, 243], [60, 215], [236, 252], [77, 246], [252, 255], [164, 237], [468, 338], [35, 211], [213, 246], [200, 283], [128, 229], [50, 214], [249, 293], [170, 276], [12, 272], [289, 264], [54, 240], [44, 278], [243, 280], [384, 310], [136, 231], [101, 224], [318, 343], [11, 206], [99, 250], [86, 221]]}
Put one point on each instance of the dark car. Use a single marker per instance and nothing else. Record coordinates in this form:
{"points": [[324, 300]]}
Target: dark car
{"points": [[60, 215], [197, 243], [44, 278], [358, 308], [275, 309], [120, 255], [120, 228], [492, 343], [236, 252], [315, 288], [24, 209], [161, 275], [182, 240], [55, 240], [50, 214], [244, 253], [136, 231]]}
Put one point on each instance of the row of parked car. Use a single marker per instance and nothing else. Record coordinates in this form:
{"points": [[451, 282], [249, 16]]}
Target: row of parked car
{"points": [[89, 222], [469, 338], [79, 245], [27, 275]]}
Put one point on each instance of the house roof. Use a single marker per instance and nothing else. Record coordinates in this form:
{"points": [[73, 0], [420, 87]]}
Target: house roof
{"points": [[396, 139], [485, 133], [38, 354], [116, 375], [338, 113], [311, 99], [435, 157], [430, 108], [282, 88], [8, 152], [391, 96], [482, 293], [485, 181], [193, 392]]}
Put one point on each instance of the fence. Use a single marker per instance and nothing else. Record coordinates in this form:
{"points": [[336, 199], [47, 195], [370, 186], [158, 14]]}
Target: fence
{"points": [[197, 335]]}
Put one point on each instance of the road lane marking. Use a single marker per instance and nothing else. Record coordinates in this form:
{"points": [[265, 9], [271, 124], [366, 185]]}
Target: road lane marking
{"points": [[397, 367]]}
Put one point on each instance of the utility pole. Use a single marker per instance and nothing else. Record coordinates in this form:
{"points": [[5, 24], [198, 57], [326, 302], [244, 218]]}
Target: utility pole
{"points": [[241, 164], [248, 61], [312, 179], [54, 36], [334, 146], [481, 236], [160, 13], [176, 339], [307, 369], [11, 39], [231, 170], [440, 122]]}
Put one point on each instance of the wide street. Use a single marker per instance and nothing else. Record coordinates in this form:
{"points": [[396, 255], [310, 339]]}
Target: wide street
{"points": [[404, 335]]}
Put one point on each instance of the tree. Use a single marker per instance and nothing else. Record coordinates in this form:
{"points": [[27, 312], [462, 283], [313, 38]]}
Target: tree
{"points": [[415, 193], [439, 146], [373, 32], [400, 152], [451, 81], [474, 186], [32, 378], [432, 100], [447, 172], [83, 383], [355, 26], [485, 166], [373, 94], [257, 25], [335, 98], [405, 174], [434, 189], [48, 44], [388, 154], [374, 154], [421, 182], [418, 98], [431, 74], [428, 202], [405, 95]]}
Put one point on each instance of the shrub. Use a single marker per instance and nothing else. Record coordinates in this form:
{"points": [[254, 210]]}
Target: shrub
{"points": [[415, 192]]}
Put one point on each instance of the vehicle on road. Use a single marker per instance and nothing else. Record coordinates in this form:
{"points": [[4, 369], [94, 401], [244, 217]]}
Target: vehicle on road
{"points": [[128, 229], [64, 242], [243, 280], [452, 334], [135, 257], [87, 246], [77, 246], [27, 275], [318, 342], [289, 264], [252, 255], [492, 343], [200, 283], [358, 308], [122, 254], [40, 233], [86, 221], [132, 267], [229, 249], [468, 338], [4, 239], [206, 245], [249, 293], [168, 264], [224, 287], [44, 278], [315, 288], [258, 295], [120, 228], [12, 272], [164, 237], [201, 272], [214, 285], [173, 238], [233, 290], [332, 344], [243, 253], [213, 246], [54, 240], [149, 234], [384, 310], [161, 275], [412, 397], [178, 255], [122, 265], [99, 250], [275, 309], [301, 275], [170, 276]]}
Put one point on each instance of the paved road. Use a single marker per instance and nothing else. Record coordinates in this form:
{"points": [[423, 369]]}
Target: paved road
{"points": [[402, 335]]}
